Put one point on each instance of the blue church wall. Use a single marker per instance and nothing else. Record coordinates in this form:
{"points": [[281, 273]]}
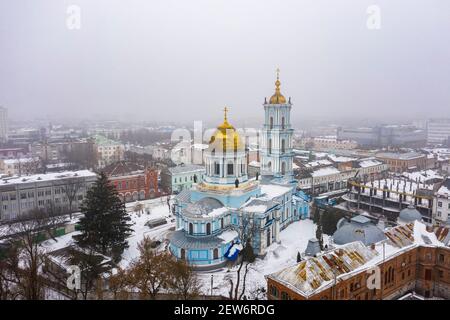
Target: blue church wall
{"points": [[201, 256]]}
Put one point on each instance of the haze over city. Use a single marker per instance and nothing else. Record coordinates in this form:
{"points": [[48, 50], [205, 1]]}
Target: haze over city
{"points": [[185, 60]]}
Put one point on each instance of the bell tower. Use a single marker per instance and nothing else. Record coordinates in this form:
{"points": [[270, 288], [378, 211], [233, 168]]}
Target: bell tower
{"points": [[277, 155]]}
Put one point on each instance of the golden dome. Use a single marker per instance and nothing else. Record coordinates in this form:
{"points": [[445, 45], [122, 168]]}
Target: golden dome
{"points": [[277, 98], [226, 137]]}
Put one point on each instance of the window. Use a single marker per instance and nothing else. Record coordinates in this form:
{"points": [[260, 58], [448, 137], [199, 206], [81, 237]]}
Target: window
{"points": [[271, 122], [216, 254], [283, 145], [427, 274], [230, 168], [282, 123], [273, 291], [285, 296], [208, 228], [283, 168], [441, 258], [440, 204], [216, 168], [183, 254], [270, 146], [23, 195], [191, 228]]}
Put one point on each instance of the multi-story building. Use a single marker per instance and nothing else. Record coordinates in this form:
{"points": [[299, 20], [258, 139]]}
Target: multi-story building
{"points": [[133, 182], [413, 257], [181, 177], [321, 176], [13, 153], [389, 195], [329, 143], [107, 151], [24, 136], [3, 124], [384, 136], [441, 205], [402, 162], [19, 166], [80, 151], [438, 131], [59, 192]]}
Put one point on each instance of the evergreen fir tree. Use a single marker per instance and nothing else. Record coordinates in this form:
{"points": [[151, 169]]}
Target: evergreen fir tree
{"points": [[105, 226]]}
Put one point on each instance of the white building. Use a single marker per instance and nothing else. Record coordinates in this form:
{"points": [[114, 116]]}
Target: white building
{"points": [[327, 143], [323, 177], [21, 195], [108, 151], [3, 124], [438, 131], [441, 205], [20, 166]]}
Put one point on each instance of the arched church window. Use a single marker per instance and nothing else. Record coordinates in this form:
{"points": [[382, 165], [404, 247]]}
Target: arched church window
{"points": [[191, 228], [283, 168], [282, 123], [269, 165], [270, 146], [208, 228], [271, 122], [283, 145]]}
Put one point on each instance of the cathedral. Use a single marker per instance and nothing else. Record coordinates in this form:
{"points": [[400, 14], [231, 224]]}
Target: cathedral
{"points": [[226, 208]]}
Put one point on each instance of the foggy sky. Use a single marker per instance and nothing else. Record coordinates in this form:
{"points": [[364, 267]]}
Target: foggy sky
{"points": [[186, 60]]}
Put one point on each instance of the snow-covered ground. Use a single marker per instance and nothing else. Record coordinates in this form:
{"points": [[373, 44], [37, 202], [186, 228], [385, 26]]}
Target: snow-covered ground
{"points": [[293, 239], [157, 208]]}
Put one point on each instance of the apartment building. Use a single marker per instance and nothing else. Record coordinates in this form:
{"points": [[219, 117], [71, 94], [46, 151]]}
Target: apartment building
{"points": [[53, 191]]}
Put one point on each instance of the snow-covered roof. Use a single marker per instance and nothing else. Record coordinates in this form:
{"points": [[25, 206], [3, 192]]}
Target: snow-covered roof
{"points": [[317, 163], [271, 191], [316, 274], [369, 163], [186, 168], [324, 172], [336, 158], [48, 177]]}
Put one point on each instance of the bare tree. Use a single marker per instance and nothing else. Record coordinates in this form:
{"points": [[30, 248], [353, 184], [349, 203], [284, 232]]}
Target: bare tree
{"points": [[119, 283], [183, 281], [71, 188], [8, 282], [25, 268], [246, 232], [150, 273]]}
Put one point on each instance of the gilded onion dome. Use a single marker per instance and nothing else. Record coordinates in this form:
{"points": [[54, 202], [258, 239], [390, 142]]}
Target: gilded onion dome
{"points": [[277, 98], [226, 138]]}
